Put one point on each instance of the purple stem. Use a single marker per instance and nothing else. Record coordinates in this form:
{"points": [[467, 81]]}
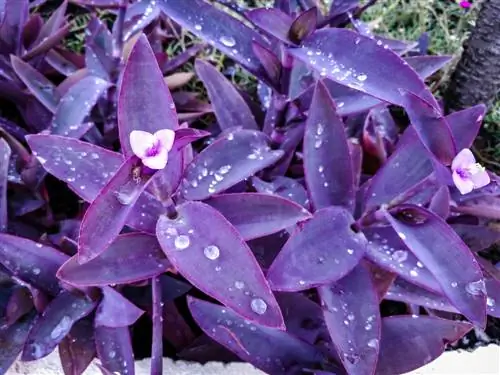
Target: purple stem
{"points": [[157, 347]]}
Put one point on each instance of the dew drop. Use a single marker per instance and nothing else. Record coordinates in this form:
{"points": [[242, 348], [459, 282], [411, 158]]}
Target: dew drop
{"points": [[302, 282], [413, 273], [350, 251], [373, 343], [61, 328], [258, 306], [197, 27], [350, 317], [212, 252], [228, 41], [36, 271], [239, 284], [420, 265], [112, 354], [490, 302], [400, 256], [321, 169], [362, 77], [476, 287], [454, 284], [181, 242], [402, 235], [368, 327]]}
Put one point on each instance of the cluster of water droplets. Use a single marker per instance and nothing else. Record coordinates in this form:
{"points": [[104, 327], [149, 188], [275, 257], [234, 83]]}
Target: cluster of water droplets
{"points": [[143, 21]]}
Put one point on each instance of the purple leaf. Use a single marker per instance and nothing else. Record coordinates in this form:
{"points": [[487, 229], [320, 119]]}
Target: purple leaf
{"points": [[269, 61], [492, 302], [351, 309], [55, 323], [205, 248], [20, 302], [218, 28], [284, 187], [4, 171], [42, 88], [477, 237], [431, 127], [229, 160], [114, 349], [60, 63], [426, 66], [440, 202], [257, 215], [271, 350], [70, 112], [48, 43], [327, 161], [304, 25], [229, 107], [31, 262], [130, 258], [107, 214], [144, 102], [389, 252], [360, 68], [273, 21], [324, 250], [98, 3], [14, 18], [138, 16], [411, 342], [115, 310], [178, 61], [185, 136], [445, 255], [77, 349], [12, 340], [465, 125]]}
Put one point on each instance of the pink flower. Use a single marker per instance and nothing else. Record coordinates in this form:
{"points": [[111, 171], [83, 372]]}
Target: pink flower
{"points": [[465, 4], [467, 174], [152, 149]]}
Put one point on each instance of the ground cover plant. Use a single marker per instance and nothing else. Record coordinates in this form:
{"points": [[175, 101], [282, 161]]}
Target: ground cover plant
{"points": [[339, 226]]}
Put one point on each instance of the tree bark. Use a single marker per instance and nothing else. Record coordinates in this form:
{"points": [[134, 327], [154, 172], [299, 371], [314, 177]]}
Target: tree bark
{"points": [[476, 78]]}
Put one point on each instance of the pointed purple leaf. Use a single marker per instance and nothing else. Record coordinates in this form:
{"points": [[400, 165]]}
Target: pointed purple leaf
{"points": [[440, 202], [77, 349], [273, 21], [185, 136], [351, 309], [179, 60], [48, 43], [114, 349], [115, 310], [5, 153], [60, 63], [144, 102], [14, 17], [431, 126], [269, 349], [427, 65], [492, 302], [269, 61], [230, 108], [12, 340], [465, 125], [218, 28], [31, 262], [257, 215], [389, 252], [304, 25], [108, 213], [324, 250], [42, 88], [477, 237], [70, 112], [204, 247], [229, 160], [446, 256], [55, 323], [130, 258], [327, 161], [284, 187], [360, 68], [409, 343]]}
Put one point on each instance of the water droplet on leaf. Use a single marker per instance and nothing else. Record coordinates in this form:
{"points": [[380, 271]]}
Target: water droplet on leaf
{"points": [[258, 306]]}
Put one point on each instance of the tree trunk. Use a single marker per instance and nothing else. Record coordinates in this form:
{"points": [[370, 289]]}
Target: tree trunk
{"points": [[476, 78]]}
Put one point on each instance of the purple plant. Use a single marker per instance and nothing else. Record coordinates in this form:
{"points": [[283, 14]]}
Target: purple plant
{"points": [[273, 241]]}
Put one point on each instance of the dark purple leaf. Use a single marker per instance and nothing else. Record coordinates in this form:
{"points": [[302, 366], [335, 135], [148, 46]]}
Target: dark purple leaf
{"points": [[324, 250], [48, 43], [266, 248], [389, 252], [108, 213], [273, 21], [442, 251], [477, 237], [114, 349], [229, 160], [4, 171], [207, 250], [269, 349], [20, 303], [411, 342], [77, 349], [360, 67], [178, 61], [465, 125], [230, 108], [175, 328], [12, 340], [440, 203], [304, 25], [31, 262], [270, 62], [327, 161], [130, 258], [14, 17], [76, 105], [60, 63], [284, 187], [351, 309], [218, 28], [115, 310], [42, 88], [431, 126], [55, 323], [257, 215], [144, 101]]}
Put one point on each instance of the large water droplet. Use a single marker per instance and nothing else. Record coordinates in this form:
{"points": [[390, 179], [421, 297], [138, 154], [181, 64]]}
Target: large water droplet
{"points": [[373, 343], [197, 27], [61, 328], [400, 256], [362, 77], [212, 252], [258, 306], [476, 287], [182, 242], [490, 302], [228, 41]]}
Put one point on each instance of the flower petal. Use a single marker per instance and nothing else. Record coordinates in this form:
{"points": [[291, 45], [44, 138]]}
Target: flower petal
{"points": [[480, 179], [463, 185], [463, 159], [140, 142], [166, 138], [159, 161]]}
